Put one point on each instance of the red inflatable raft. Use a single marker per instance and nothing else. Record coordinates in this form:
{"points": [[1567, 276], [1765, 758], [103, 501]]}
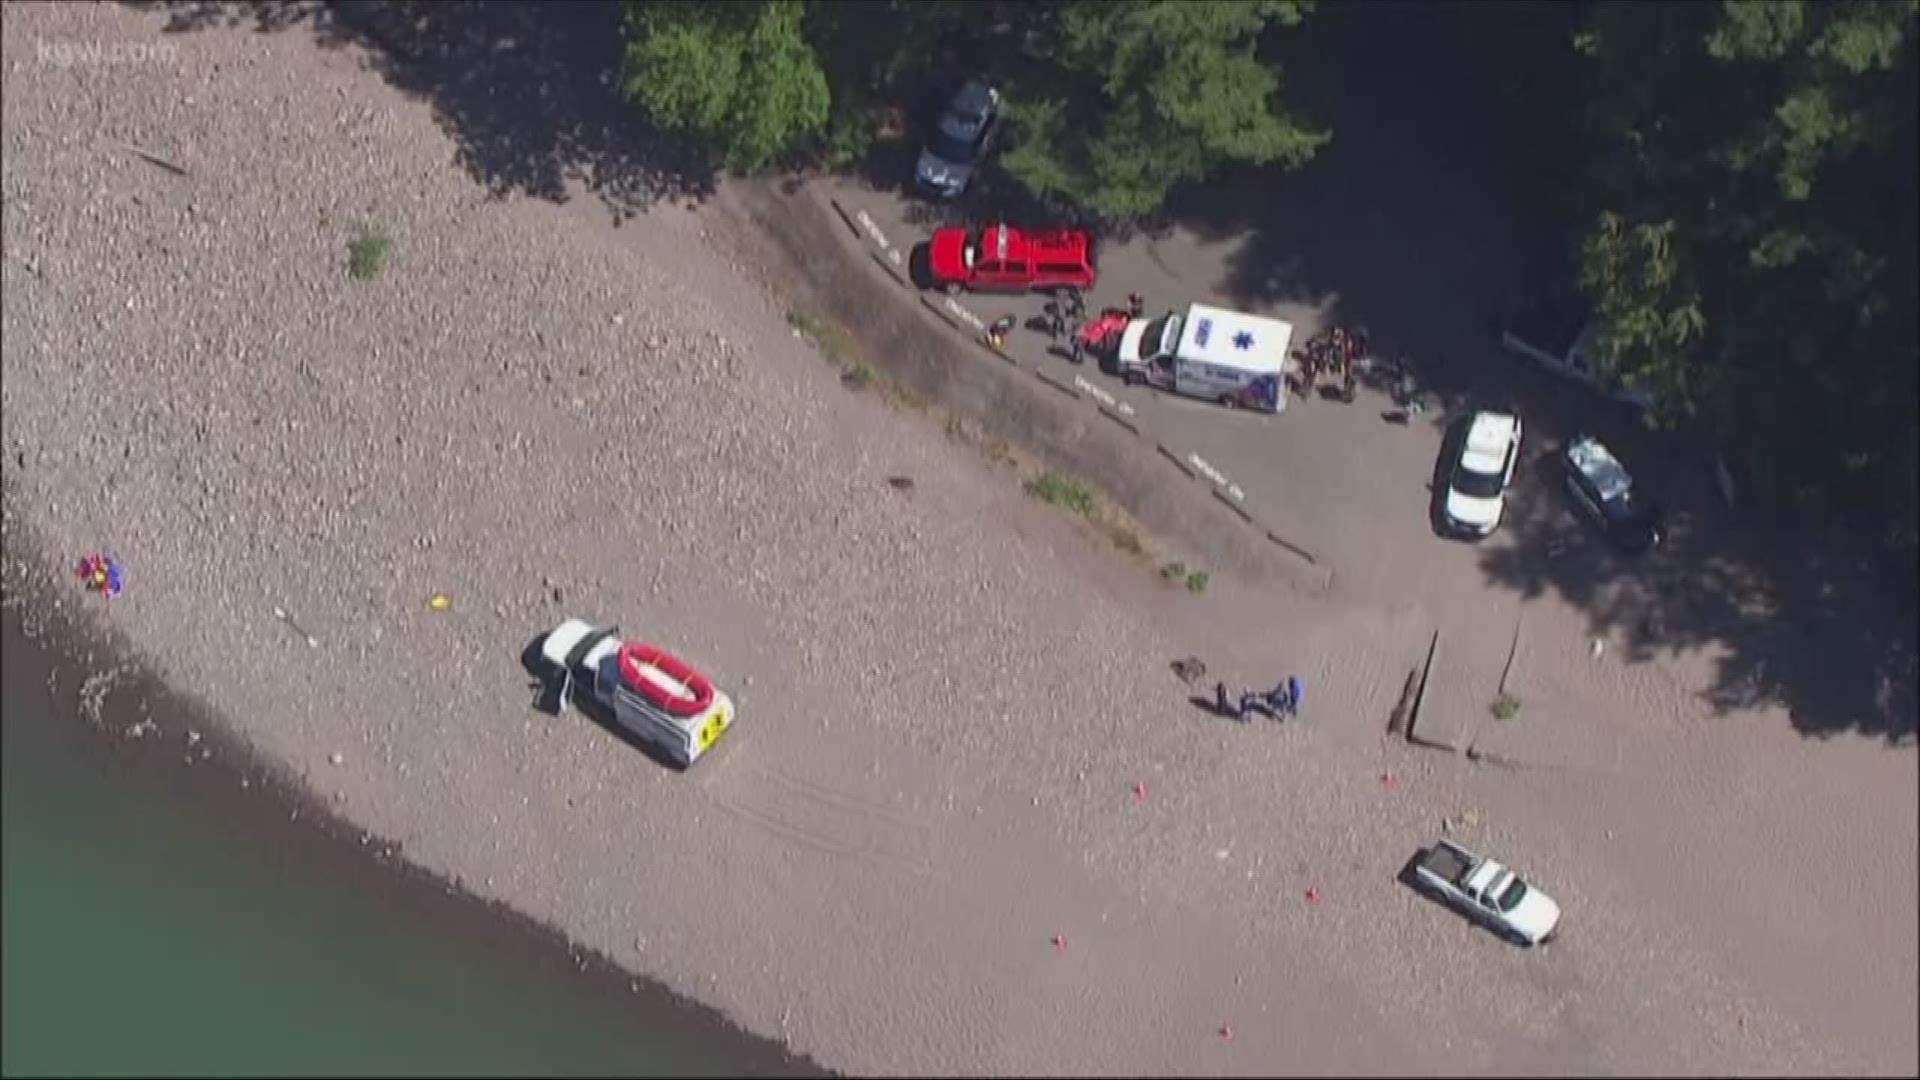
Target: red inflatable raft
{"points": [[664, 679], [1103, 332]]}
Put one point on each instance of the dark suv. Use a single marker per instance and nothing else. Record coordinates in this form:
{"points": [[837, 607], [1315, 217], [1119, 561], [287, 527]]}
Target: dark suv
{"points": [[962, 139], [1603, 490]]}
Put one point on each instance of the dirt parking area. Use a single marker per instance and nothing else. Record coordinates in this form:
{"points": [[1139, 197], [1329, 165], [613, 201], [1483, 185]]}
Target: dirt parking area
{"points": [[1600, 718]]}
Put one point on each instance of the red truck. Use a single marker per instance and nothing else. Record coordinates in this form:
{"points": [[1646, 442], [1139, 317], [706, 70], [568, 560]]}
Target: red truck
{"points": [[1001, 258]]}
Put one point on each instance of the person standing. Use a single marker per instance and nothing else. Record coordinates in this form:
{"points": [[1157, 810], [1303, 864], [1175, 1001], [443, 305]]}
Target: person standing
{"points": [[1220, 702], [1073, 304], [1136, 305], [1056, 321], [1293, 695]]}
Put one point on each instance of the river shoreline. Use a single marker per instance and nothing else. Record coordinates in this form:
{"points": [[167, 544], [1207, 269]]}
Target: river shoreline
{"points": [[139, 727]]}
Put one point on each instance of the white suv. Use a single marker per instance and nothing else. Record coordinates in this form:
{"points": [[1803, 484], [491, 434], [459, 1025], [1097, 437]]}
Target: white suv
{"points": [[1477, 482]]}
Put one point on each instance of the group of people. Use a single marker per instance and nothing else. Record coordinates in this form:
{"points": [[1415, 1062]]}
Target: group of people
{"points": [[1280, 702], [1066, 315], [1334, 353]]}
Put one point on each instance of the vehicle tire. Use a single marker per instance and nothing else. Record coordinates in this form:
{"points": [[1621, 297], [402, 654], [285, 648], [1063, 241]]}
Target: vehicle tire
{"points": [[1132, 378], [953, 288]]}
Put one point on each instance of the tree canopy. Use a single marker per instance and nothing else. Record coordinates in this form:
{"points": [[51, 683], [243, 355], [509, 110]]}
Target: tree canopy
{"points": [[1138, 96], [1746, 171], [740, 77], [1114, 102], [1752, 189]]}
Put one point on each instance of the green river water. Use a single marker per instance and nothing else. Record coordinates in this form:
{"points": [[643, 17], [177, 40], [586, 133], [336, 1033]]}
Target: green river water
{"points": [[153, 929]]}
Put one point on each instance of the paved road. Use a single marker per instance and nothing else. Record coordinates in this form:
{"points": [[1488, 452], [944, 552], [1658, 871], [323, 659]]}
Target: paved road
{"points": [[1334, 478]]}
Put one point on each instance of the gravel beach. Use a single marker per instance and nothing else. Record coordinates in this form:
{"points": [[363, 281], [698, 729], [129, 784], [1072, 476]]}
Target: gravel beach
{"points": [[959, 737]]}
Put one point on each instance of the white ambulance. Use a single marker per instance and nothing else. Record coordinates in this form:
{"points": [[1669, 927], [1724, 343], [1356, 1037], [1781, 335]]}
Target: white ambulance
{"points": [[1236, 359]]}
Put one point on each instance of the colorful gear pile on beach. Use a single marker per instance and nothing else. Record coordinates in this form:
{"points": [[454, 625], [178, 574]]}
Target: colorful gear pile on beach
{"points": [[100, 573]]}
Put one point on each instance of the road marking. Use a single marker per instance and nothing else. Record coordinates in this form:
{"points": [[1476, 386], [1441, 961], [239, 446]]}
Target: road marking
{"points": [[1201, 466], [873, 230], [966, 316], [1102, 396]]}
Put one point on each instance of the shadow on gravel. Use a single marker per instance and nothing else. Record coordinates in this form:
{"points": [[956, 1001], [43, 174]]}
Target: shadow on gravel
{"points": [[525, 90], [1791, 624], [1790, 618], [1433, 204], [1436, 209]]}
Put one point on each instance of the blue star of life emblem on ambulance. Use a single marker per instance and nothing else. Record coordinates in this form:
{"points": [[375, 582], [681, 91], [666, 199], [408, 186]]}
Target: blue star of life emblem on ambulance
{"points": [[1243, 340]]}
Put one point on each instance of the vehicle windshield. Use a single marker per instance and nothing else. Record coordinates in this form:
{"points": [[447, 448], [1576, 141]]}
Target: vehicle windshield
{"points": [[1510, 899], [1159, 338], [1475, 484], [949, 147]]}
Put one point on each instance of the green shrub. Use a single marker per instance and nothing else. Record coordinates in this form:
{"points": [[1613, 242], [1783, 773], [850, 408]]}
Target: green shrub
{"points": [[849, 134], [367, 255], [1064, 491], [857, 377]]}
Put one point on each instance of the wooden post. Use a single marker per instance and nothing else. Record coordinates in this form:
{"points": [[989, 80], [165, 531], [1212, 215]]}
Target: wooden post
{"points": [[1420, 695]]}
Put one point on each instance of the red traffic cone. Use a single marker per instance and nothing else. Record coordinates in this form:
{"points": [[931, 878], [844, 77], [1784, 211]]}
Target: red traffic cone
{"points": [[1139, 791], [1226, 1032], [1313, 894], [1059, 943]]}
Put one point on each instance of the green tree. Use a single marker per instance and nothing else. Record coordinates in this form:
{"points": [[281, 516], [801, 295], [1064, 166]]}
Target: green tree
{"points": [[1650, 308], [1121, 100], [1753, 196], [868, 49], [739, 78], [1115, 101]]}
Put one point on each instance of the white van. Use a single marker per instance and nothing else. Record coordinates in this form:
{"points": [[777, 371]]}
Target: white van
{"points": [[1236, 359]]}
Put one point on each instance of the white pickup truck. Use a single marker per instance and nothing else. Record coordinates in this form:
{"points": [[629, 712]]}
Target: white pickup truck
{"points": [[650, 693], [1489, 892]]}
